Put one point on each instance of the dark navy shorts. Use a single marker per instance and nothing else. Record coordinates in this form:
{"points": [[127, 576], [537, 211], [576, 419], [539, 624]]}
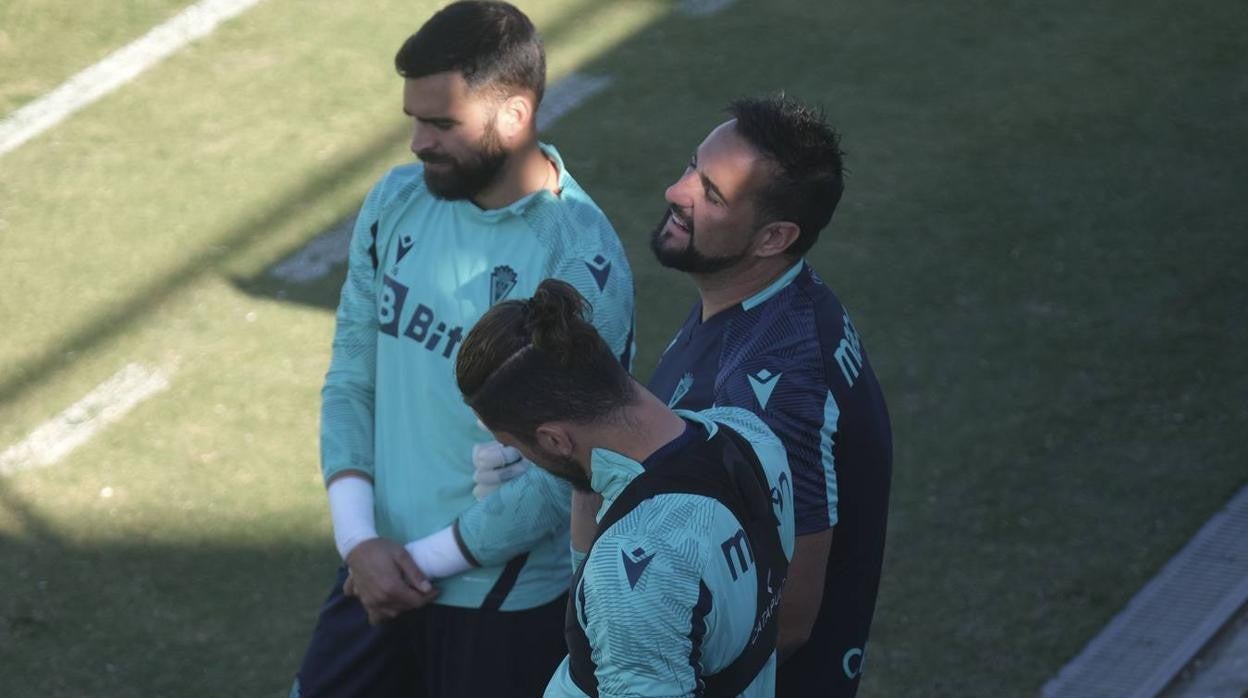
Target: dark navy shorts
{"points": [[433, 652]]}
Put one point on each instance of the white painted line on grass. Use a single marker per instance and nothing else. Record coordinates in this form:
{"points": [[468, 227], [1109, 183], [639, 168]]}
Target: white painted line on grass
{"points": [[106, 404], [568, 94], [315, 259], [116, 69], [702, 8]]}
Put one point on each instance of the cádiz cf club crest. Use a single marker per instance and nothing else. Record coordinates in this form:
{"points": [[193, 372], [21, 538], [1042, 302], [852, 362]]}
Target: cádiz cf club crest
{"points": [[502, 280]]}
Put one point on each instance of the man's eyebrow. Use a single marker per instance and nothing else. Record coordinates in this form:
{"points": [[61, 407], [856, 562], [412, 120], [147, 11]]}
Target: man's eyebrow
{"points": [[431, 119]]}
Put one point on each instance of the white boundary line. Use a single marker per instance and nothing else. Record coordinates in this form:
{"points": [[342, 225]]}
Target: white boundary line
{"points": [[568, 93], [116, 69], [106, 404], [703, 8], [318, 257]]}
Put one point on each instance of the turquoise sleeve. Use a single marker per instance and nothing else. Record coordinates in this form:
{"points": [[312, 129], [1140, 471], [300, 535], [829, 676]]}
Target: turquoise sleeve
{"points": [[645, 605], [347, 396], [515, 518]]}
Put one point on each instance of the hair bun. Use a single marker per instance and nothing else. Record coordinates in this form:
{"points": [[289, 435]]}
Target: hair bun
{"points": [[558, 321]]}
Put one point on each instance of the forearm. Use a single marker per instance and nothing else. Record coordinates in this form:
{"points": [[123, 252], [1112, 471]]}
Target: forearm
{"points": [[514, 519], [803, 592], [442, 554], [351, 511]]}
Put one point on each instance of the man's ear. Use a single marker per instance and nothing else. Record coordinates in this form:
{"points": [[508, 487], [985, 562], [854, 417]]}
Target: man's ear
{"points": [[554, 437], [775, 238], [515, 117]]}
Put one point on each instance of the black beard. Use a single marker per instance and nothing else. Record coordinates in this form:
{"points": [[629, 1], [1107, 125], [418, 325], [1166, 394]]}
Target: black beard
{"points": [[688, 259], [570, 471], [464, 180]]}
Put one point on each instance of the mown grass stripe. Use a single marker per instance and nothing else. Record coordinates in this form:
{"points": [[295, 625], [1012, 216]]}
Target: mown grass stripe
{"points": [[106, 404], [703, 8], [116, 69]]}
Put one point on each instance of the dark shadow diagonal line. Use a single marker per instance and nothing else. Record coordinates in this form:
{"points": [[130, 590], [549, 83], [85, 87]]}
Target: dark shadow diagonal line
{"points": [[114, 321], [30, 522]]}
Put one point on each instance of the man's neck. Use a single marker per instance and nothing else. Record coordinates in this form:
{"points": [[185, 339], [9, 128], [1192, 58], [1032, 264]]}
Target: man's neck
{"points": [[725, 289], [527, 170], [642, 428]]}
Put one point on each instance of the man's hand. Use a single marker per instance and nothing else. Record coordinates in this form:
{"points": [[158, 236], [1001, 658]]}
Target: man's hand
{"points": [[386, 580], [493, 464]]}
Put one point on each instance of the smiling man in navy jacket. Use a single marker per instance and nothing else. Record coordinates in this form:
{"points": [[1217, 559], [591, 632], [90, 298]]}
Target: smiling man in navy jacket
{"points": [[769, 336]]}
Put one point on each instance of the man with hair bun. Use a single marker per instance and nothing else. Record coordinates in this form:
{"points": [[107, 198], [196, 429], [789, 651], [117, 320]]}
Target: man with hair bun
{"points": [[769, 336], [677, 595], [441, 594]]}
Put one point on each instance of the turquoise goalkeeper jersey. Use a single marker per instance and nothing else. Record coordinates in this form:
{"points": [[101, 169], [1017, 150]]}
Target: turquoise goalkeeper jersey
{"points": [[668, 593], [422, 271]]}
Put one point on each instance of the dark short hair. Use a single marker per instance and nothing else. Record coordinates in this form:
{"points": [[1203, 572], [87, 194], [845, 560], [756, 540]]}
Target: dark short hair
{"points": [[805, 153], [492, 44], [529, 362]]}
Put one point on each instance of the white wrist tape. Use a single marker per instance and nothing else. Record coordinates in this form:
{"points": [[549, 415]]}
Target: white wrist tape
{"points": [[351, 510], [438, 554]]}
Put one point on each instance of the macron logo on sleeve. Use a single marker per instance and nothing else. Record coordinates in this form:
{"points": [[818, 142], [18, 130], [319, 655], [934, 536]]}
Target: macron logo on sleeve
{"points": [[763, 383], [405, 246], [600, 268], [634, 567]]}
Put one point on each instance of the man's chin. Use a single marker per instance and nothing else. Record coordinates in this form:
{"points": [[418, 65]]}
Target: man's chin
{"points": [[671, 255], [688, 260], [450, 188]]}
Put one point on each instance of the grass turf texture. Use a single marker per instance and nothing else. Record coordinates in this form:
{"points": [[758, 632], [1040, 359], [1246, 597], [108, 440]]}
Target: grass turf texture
{"points": [[1041, 244], [44, 42]]}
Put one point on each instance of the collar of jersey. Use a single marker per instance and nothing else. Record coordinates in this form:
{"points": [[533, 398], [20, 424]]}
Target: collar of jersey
{"points": [[774, 287], [610, 472], [518, 206]]}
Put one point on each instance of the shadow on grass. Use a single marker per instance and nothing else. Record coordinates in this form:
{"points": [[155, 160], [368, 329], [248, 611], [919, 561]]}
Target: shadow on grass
{"points": [[1041, 244], [122, 317], [118, 319], [156, 619]]}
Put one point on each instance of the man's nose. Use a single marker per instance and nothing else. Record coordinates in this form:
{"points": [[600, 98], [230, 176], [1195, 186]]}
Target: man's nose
{"points": [[678, 192], [422, 139]]}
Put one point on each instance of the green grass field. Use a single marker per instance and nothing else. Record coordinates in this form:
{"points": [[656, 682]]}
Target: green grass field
{"points": [[1042, 244]]}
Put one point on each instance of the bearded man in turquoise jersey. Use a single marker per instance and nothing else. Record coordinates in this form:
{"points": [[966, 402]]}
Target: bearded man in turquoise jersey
{"points": [[434, 579]]}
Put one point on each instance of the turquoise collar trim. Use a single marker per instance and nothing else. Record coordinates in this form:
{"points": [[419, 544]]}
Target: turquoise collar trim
{"points": [[776, 286]]}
